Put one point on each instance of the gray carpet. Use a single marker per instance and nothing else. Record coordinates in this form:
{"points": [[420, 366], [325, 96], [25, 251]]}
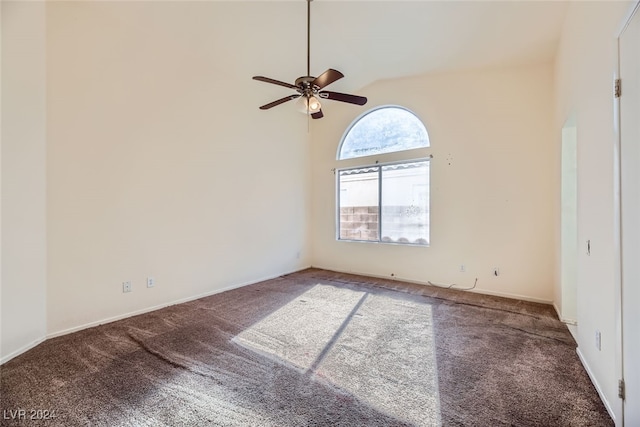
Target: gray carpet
{"points": [[313, 348]]}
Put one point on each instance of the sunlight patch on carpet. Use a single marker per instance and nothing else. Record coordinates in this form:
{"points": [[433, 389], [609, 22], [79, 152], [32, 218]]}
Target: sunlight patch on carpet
{"points": [[377, 348]]}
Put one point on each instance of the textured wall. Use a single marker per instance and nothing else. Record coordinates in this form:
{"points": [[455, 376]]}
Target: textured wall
{"points": [[493, 182], [158, 162], [24, 262]]}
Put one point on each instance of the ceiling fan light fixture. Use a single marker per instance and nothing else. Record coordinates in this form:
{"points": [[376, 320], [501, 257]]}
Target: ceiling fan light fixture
{"points": [[308, 105], [314, 105]]}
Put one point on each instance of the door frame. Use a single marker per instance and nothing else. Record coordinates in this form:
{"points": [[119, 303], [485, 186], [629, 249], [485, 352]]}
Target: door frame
{"points": [[617, 197]]}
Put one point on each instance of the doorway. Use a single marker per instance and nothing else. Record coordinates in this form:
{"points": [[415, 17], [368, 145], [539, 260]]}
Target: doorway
{"points": [[569, 225]]}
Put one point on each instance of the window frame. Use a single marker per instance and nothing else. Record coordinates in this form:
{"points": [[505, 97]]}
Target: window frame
{"points": [[380, 166], [380, 160]]}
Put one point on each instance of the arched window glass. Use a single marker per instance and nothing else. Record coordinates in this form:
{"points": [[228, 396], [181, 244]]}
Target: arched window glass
{"points": [[383, 130]]}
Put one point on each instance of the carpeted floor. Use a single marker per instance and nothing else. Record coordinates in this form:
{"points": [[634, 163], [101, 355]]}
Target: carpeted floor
{"points": [[312, 348]]}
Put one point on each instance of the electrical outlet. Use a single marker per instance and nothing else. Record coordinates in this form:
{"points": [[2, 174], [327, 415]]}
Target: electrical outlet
{"points": [[151, 282], [126, 286], [598, 340], [462, 268]]}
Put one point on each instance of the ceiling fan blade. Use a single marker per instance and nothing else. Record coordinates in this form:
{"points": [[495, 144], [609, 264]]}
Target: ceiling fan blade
{"points": [[343, 97], [317, 115], [279, 101], [326, 78], [275, 82]]}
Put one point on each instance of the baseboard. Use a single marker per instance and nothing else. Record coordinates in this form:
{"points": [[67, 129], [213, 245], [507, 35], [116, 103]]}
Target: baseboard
{"points": [[426, 283], [163, 305], [512, 296], [563, 319], [606, 403], [138, 312], [21, 350]]}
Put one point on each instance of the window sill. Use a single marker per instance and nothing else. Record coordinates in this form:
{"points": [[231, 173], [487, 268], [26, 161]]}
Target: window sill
{"points": [[419, 245]]}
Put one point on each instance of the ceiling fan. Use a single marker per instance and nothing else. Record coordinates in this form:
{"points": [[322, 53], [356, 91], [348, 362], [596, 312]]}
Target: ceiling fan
{"points": [[309, 88]]}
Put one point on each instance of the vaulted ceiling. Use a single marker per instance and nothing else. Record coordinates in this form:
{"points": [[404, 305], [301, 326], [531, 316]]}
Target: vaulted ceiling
{"points": [[374, 40], [218, 46]]}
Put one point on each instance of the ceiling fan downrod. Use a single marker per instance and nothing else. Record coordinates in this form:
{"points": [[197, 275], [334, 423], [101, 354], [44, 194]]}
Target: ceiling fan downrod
{"points": [[312, 88], [309, 37]]}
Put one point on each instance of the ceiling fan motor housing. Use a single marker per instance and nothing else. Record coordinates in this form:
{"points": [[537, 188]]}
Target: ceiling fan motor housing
{"points": [[305, 85]]}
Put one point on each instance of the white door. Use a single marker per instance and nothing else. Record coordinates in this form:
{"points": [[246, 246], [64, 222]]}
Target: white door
{"points": [[630, 216]]}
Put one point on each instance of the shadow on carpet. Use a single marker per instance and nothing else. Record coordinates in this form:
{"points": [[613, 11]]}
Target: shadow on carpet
{"points": [[312, 348]]}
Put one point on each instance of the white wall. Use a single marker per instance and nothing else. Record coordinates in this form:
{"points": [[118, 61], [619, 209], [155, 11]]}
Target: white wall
{"points": [[584, 73], [493, 182], [159, 161], [23, 290]]}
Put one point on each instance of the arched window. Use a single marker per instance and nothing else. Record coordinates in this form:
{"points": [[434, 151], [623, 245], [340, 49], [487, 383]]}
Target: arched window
{"points": [[383, 130], [384, 202]]}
